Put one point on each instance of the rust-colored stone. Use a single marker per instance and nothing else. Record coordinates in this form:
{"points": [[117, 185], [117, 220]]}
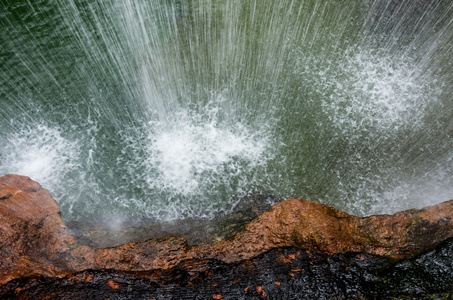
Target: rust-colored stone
{"points": [[35, 240], [113, 284], [34, 236]]}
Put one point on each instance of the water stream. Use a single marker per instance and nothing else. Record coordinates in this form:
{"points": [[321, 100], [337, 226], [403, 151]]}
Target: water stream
{"points": [[171, 109]]}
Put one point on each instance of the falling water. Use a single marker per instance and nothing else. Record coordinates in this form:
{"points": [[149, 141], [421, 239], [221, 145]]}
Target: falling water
{"points": [[172, 108]]}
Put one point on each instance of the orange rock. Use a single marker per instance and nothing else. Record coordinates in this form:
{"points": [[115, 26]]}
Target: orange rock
{"points": [[35, 239], [113, 284], [34, 236]]}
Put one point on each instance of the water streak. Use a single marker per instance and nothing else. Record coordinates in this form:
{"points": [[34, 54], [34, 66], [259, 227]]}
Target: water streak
{"points": [[172, 108]]}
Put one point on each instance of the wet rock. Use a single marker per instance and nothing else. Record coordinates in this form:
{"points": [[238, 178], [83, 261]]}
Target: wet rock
{"points": [[100, 234], [33, 235], [283, 273], [36, 243], [426, 274], [322, 228]]}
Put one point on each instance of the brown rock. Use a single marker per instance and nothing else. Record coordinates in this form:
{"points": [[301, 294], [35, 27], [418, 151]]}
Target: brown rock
{"points": [[33, 234], [36, 240]]}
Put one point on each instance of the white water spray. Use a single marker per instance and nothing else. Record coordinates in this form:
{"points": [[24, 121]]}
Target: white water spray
{"points": [[174, 109]]}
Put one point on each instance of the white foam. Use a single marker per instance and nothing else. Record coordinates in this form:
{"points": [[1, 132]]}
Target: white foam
{"points": [[374, 91], [41, 153], [193, 162], [191, 151]]}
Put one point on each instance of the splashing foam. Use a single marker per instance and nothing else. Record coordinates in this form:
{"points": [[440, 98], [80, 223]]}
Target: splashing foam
{"points": [[182, 163], [193, 150], [377, 108], [364, 90], [41, 153], [188, 149]]}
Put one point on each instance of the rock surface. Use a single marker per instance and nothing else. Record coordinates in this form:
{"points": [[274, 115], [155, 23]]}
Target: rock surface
{"points": [[281, 273], [33, 235], [36, 242]]}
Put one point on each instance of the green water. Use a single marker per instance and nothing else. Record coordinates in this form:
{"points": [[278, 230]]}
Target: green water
{"points": [[169, 109]]}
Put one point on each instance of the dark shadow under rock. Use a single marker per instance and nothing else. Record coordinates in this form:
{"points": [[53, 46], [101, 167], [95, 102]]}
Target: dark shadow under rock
{"points": [[102, 233], [282, 273]]}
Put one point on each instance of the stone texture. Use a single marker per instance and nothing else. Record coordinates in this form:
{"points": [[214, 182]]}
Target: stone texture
{"points": [[36, 241], [281, 273], [33, 234]]}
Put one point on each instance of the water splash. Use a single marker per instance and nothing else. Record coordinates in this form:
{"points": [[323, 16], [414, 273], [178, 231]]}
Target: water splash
{"points": [[180, 163], [175, 108], [191, 147], [42, 153]]}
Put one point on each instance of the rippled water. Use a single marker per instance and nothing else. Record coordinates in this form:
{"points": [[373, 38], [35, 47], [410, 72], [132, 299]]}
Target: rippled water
{"points": [[169, 109]]}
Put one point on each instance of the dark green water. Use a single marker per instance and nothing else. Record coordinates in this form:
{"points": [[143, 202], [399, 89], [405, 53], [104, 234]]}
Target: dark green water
{"points": [[169, 109]]}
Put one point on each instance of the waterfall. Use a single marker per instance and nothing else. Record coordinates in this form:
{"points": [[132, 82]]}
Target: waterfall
{"points": [[172, 109]]}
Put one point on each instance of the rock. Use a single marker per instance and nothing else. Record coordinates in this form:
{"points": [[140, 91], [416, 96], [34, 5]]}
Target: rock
{"points": [[99, 233], [318, 227], [36, 241], [33, 233], [281, 273]]}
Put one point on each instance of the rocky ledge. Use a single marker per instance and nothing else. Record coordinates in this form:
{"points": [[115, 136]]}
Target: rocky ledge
{"points": [[297, 249]]}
